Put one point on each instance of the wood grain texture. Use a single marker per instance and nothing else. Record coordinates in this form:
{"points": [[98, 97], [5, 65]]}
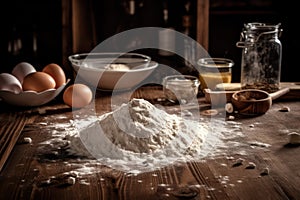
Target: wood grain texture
{"points": [[11, 126], [31, 174], [203, 23]]}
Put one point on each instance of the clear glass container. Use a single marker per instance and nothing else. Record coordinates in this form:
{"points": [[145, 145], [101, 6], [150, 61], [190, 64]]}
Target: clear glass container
{"points": [[181, 89], [261, 56], [214, 71]]}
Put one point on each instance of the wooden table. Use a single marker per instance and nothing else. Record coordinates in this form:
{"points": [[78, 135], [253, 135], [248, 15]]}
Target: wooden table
{"points": [[27, 173]]}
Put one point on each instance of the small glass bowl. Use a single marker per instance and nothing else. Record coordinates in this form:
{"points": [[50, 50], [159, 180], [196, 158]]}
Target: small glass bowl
{"points": [[181, 88]]}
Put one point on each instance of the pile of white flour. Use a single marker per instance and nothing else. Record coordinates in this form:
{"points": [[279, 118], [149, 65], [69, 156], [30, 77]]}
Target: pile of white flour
{"points": [[140, 127], [138, 136], [138, 131]]}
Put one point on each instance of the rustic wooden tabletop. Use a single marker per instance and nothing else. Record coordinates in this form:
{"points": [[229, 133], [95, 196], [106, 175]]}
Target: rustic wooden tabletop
{"points": [[256, 161]]}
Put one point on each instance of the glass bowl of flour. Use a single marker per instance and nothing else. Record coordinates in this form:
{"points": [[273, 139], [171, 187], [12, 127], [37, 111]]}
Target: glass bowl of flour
{"points": [[112, 70]]}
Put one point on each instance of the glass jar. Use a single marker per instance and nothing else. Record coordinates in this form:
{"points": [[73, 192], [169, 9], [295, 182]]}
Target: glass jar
{"points": [[181, 89], [261, 56], [213, 71]]}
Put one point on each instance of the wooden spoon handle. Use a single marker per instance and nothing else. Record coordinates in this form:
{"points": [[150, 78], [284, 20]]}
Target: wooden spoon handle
{"points": [[279, 93]]}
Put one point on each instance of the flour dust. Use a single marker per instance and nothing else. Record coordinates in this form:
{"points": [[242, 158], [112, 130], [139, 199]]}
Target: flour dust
{"points": [[139, 137]]}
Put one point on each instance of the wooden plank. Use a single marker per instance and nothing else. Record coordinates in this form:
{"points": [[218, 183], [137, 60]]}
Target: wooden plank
{"points": [[294, 93], [202, 23], [230, 88], [11, 125], [67, 45], [213, 178]]}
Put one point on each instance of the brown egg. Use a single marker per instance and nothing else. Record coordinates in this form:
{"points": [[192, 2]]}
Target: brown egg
{"points": [[77, 95], [56, 72], [38, 81]]}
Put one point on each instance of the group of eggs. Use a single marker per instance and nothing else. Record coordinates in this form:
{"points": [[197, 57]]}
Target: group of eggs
{"points": [[24, 77]]}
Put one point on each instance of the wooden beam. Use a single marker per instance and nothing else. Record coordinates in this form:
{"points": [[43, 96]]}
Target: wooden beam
{"points": [[203, 22]]}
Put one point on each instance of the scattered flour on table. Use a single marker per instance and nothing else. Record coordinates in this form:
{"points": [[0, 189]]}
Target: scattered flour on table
{"points": [[138, 136]]}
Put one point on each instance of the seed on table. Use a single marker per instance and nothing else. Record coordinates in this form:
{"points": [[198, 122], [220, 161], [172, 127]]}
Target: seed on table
{"points": [[27, 140], [285, 109], [251, 165], [229, 108], [210, 112], [265, 171], [294, 138], [238, 162], [231, 117]]}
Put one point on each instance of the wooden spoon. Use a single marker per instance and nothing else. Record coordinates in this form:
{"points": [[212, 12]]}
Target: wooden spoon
{"points": [[254, 101]]}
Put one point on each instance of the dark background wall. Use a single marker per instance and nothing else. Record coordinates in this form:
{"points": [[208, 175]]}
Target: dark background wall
{"points": [[42, 20], [24, 21], [227, 19]]}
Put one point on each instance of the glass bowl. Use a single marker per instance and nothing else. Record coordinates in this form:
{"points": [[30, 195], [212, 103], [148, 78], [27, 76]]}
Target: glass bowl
{"points": [[181, 88], [112, 71]]}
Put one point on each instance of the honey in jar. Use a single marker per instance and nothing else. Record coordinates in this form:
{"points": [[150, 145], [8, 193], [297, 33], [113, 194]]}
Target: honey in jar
{"points": [[213, 71]]}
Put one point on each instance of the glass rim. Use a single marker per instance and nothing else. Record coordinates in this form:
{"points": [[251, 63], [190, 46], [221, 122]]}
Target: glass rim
{"points": [[215, 63], [178, 79]]}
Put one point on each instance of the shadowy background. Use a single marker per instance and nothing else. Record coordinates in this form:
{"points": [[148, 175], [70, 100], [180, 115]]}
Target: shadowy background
{"points": [[32, 30]]}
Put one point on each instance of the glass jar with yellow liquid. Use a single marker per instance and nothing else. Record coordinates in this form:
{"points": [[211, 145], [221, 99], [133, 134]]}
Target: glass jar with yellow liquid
{"points": [[213, 71]]}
